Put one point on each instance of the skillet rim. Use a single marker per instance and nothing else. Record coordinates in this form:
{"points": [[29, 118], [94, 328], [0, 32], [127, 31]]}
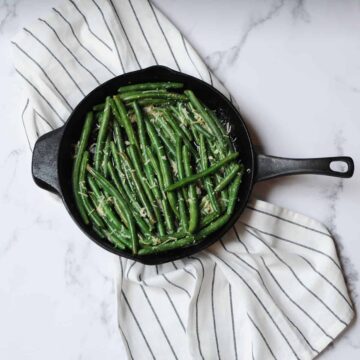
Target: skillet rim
{"points": [[176, 253]]}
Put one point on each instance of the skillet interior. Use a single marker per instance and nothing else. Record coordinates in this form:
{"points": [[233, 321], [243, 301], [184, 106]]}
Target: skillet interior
{"points": [[210, 96]]}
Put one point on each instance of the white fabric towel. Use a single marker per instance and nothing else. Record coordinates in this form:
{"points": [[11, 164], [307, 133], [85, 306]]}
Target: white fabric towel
{"points": [[272, 288]]}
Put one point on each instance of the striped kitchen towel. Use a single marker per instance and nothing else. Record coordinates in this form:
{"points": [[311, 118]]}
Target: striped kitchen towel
{"points": [[272, 288]]}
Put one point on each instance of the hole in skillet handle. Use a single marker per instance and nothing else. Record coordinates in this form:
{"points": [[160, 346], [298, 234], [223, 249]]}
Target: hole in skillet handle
{"points": [[206, 93]]}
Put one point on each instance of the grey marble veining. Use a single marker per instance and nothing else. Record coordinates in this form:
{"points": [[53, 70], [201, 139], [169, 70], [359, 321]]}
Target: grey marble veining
{"points": [[8, 10], [292, 66]]}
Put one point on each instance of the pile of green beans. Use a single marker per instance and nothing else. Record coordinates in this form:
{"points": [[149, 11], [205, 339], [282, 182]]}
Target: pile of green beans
{"points": [[154, 169]]}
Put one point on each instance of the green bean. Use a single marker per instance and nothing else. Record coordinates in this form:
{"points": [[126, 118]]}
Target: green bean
{"points": [[213, 226], [233, 195], [207, 219], [102, 134], [153, 95], [151, 86], [207, 181], [164, 166], [221, 221], [90, 211], [166, 246], [145, 228], [125, 121], [84, 138], [122, 236], [115, 239], [182, 211], [118, 139], [169, 146], [115, 179], [140, 125], [124, 177], [206, 117], [163, 125], [178, 131], [150, 101], [186, 121], [221, 128], [177, 114], [102, 207], [107, 186], [201, 130], [98, 231], [192, 199], [189, 119], [135, 158], [169, 223], [105, 160], [138, 185], [235, 171], [180, 165], [99, 107], [149, 172], [202, 174], [137, 92]]}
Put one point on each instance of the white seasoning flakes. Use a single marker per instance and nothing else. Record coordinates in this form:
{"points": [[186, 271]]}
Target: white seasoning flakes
{"points": [[127, 143], [198, 190], [132, 118], [164, 157], [228, 128], [174, 167], [143, 212]]}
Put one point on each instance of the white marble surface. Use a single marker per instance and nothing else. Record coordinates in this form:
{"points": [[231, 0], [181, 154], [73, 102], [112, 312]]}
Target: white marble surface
{"points": [[293, 67]]}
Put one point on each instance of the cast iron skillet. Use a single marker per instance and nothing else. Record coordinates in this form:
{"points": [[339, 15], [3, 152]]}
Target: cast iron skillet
{"points": [[53, 155]]}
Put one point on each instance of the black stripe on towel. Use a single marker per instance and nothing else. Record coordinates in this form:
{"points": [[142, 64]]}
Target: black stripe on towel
{"points": [[197, 306], [295, 243], [119, 326], [111, 34], [233, 322], [288, 221], [80, 43], [138, 324], [44, 72], [88, 26], [143, 33], [298, 279], [158, 321], [188, 54], [125, 33], [263, 282], [294, 302], [22, 118], [41, 95], [262, 305], [56, 58], [213, 312], [177, 286], [164, 35], [328, 281], [70, 52], [262, 336]]}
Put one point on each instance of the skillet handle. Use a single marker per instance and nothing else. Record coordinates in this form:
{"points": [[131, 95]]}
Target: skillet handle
{"points": [[45, 161], [269, 167]]}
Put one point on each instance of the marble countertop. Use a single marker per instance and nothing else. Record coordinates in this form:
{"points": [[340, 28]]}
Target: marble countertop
{"points": [[294, 69]]}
